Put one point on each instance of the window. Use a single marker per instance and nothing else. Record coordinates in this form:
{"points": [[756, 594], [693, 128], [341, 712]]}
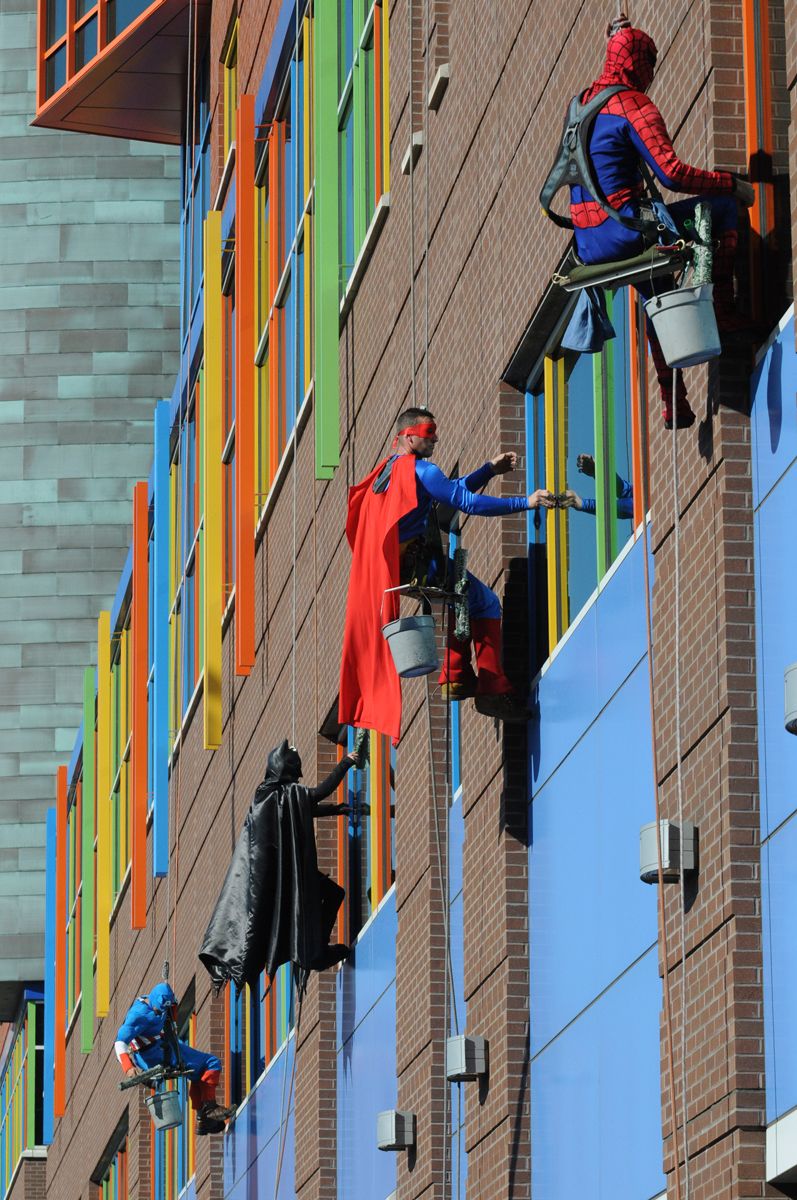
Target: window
{"points": [[185, 541], [256, 1023], [363, 128], [196, 197], [120, 758], [284, 281], [230, 103], [74, 894], [21, 1088], [366, 860], [583, 438], [113, 1181]]}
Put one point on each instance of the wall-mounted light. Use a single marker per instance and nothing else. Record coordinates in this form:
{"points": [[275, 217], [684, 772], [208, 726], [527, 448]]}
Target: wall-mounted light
{"points": [[677, 852], [790, 687], [395, 1130], [466, 1058]]}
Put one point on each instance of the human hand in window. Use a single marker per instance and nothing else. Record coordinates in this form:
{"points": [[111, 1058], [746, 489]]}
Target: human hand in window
{"points": [[571, 499], [542, 498], [504, 462], [586, 465]]}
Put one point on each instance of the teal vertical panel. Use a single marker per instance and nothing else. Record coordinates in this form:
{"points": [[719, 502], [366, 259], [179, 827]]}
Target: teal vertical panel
{"points": [[325, 227], [160, 636], [87, 907]]}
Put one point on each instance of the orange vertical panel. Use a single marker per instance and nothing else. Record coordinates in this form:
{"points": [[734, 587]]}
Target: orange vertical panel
{"points": [[59, 1013], [275, 141], [41, 30], [245, 382], [638, 399], [758, 139], [378, 120], [138, 746]]}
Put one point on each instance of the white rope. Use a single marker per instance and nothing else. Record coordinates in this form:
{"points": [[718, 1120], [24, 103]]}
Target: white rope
{"points": [[412, 205], [285, 1108], [679, 780]]}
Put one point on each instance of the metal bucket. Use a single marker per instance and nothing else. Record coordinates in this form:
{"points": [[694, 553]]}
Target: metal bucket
{"points": [[165, 1109], [685, 325], [412, 644]]}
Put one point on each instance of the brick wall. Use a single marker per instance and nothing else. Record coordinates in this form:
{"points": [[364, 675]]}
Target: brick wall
{"points": [[489, 261]]}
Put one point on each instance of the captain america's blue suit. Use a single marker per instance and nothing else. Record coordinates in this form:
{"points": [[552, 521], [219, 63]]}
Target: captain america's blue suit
{"points": [[141, 1042]]}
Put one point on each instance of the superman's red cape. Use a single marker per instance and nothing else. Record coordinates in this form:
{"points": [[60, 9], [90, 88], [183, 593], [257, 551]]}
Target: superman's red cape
{"points": [[370, 689]]}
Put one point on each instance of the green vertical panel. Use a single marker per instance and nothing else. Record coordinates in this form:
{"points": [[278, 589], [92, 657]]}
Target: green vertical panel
{"points": [[605, 464], [87, 907], [360, 214], [327, 371], [30, 1081]]}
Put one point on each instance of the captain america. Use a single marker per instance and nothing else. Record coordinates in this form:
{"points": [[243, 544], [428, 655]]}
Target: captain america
{"points": [[143, 1042]]}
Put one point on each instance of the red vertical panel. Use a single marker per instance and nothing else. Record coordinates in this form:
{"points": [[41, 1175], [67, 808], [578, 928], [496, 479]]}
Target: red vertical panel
{"points": [[41, 46], [245, 382], [138, 745], [59, 1014]]}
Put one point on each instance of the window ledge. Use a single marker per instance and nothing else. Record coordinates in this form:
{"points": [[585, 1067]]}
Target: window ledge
{"points": [[226, 176], [439, 85], [364, 257]]}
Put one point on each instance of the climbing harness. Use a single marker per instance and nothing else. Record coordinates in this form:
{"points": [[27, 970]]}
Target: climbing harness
{"points": [[573, 167]]}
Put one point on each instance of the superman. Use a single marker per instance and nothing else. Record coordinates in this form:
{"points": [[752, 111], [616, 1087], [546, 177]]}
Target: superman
{"points": [[391, 529], [629, 132]]}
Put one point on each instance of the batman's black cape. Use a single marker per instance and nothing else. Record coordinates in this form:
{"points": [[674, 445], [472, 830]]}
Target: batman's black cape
{"points": [[275, 905]]}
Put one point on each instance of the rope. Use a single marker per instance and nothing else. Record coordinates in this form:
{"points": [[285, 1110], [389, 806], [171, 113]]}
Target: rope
{"points": [[190, 134], [662, 924], [412, 206], [679, 781], [299, 994]]}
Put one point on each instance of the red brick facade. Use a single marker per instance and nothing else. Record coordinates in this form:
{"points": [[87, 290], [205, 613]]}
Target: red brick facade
{"points": [[513, 67]]}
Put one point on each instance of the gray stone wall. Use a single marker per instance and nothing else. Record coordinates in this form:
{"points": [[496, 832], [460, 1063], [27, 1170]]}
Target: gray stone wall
{"points": [[89, 316]]}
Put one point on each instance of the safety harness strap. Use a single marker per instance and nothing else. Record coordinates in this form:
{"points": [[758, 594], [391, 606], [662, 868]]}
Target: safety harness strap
{"points": [[573, 165]]}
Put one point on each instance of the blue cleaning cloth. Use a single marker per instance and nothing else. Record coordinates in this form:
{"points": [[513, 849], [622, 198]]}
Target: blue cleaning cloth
{"points": [[589, 327]]}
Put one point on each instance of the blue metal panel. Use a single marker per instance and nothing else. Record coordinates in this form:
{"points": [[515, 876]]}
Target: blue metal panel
{"points": [[567, 696], [774, 414], [368, 972], [621, 639], [251, 1147], [123, 588], [77, 751], [776, 647], [590, 916], [160, 637], [49, 982], [363, 1092], [596, 1098], [281, 48], [779, 917], [456, 840]]}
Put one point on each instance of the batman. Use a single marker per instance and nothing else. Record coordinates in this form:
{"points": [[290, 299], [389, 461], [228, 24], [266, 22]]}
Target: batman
{"points": [[275, 905]]}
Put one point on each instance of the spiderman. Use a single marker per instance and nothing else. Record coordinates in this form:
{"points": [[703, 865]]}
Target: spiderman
{"points": [[630, 128]]}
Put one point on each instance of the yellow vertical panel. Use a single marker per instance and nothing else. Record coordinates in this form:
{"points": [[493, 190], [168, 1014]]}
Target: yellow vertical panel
{"points": [[308, 299], [386, 96], [373, 816], [561, 472], [555, 481], [211, 456], [104, 848]]}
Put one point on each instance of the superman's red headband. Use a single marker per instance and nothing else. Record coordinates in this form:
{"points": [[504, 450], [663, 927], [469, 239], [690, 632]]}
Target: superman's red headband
{"points": [[425, 431]]}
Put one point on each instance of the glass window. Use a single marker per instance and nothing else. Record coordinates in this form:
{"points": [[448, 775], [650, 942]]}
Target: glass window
{"points": [[56, 20], [55, 71], [230, 103], [580, 439]]}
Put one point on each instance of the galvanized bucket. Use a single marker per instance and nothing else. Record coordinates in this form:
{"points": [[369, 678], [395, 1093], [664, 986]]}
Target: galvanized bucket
{"points": [[165, 1109], [412, 644], [685, 325]]}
